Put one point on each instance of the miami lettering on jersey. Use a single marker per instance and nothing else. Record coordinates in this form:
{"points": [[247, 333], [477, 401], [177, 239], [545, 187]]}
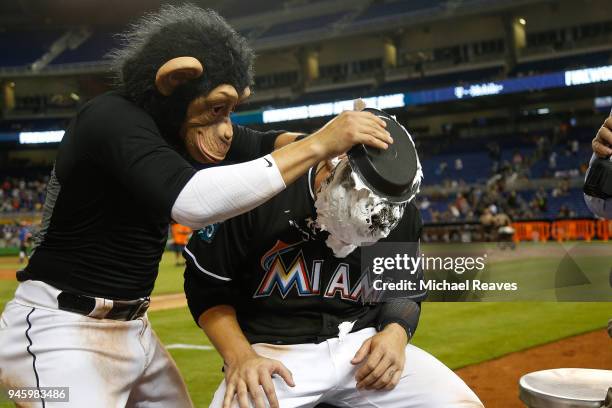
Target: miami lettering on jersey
{"points": [[279, 276]]}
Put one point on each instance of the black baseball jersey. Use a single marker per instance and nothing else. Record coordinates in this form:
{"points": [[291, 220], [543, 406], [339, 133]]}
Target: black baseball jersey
{"points": [[277, 272], [109, 200]]}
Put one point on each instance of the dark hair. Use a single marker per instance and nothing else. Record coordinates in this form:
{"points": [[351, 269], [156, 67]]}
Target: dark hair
{"points": [[178, 31]]}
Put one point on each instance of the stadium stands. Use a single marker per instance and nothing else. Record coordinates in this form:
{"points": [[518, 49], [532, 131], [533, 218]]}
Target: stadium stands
{"points": [[299, 26], [248, 8], [383, 9]]}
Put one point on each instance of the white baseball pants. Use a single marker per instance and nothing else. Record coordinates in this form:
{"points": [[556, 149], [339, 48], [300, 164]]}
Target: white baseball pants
{"points": [[105, 363], [323, 373]]}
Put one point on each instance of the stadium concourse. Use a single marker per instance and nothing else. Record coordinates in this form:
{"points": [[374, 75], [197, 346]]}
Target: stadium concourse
{"points": [[502, 98]]}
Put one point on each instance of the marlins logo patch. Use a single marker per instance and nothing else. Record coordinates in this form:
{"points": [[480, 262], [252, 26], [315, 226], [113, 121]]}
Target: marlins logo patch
{"points": [[208, 233]]}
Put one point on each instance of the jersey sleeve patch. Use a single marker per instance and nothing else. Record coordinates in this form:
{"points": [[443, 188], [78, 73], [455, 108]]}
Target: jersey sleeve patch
{"points": [[207, 234]]}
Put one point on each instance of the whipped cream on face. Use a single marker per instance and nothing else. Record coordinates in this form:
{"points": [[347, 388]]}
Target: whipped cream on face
{"points": [[352, 213]]}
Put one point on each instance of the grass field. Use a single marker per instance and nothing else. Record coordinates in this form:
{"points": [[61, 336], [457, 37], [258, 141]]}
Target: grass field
{"points": [[459, 334]]}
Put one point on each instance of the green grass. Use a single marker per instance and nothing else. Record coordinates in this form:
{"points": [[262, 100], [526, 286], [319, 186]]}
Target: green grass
{"points": [[543, 272], [170, 277], [461, 334], [7, 290]]}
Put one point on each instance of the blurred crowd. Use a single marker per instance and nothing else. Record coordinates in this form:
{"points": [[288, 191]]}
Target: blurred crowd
{"points": [[16, 234], [478, 201], [499, 195], [21, 195]]}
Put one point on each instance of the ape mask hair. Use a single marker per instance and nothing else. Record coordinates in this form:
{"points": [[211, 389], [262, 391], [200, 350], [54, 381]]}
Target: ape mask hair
{"points": [[188, 69]]}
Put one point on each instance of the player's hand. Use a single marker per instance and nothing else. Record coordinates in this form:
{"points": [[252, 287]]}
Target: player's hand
{"points": [[248, 377], [602, 142], [350, 128], [382, 358]]}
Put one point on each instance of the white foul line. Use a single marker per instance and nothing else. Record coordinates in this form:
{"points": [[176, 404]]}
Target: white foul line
{"points": [[188, 347]]}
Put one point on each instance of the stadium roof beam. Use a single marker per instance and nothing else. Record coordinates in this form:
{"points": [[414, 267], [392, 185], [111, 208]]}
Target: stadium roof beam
{"points": [[70, 40]]}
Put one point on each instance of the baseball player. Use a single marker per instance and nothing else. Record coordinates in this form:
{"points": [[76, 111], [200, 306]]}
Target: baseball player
{"points": [[124, 170], [290, 319], [24, 241]]}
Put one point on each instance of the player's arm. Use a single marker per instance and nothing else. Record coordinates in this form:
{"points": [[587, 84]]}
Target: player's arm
{"points": [[598, 181], [245, 370], [602, 142], [288, 137], [219, 193], [213, 257]]}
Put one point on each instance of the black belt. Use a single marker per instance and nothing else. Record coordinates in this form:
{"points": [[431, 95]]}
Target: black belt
{"points": [[117, 310]]}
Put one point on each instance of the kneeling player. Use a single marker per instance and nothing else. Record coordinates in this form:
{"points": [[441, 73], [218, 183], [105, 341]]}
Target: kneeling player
{"points": [[290, 319]]}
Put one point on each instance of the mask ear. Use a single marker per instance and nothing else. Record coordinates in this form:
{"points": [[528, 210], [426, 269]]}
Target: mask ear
{"points": [[176, 72]]}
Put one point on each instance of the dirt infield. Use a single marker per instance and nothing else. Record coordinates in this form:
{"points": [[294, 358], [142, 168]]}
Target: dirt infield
{"points": [[7, 274], [496, 381], [8, 267], [8, 259], [163, 302]]}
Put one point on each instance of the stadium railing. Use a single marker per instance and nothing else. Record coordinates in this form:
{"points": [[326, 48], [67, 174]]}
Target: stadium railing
{"points": [[604, 229], [562, 230]]}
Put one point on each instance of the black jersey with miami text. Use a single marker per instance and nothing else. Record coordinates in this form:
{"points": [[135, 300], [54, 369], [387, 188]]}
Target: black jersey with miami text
{"points": [[285, 283]]}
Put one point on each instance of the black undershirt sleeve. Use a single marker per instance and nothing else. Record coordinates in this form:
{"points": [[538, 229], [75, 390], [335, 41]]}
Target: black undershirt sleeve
{"points": [[404, 312], [214, 256], [249, 144]]}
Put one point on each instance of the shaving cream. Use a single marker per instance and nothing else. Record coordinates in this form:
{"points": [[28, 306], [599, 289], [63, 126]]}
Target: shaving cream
{"points": [[352, 213]]}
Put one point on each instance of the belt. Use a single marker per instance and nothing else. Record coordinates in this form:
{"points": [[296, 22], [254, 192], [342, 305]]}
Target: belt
{"points": [[103, 308]]}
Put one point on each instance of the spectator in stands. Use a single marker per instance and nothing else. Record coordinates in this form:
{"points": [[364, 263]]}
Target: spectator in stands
{"points": [[540, 201], [454, 212], [517, 160], [488, 224], [544, 147], [572, 148], [441, 168], [504, 230], [562, 188], [552, 161], [458, 164], [462, 204], [7, 235], [566, 212], [516, 205], [424, 203]]}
